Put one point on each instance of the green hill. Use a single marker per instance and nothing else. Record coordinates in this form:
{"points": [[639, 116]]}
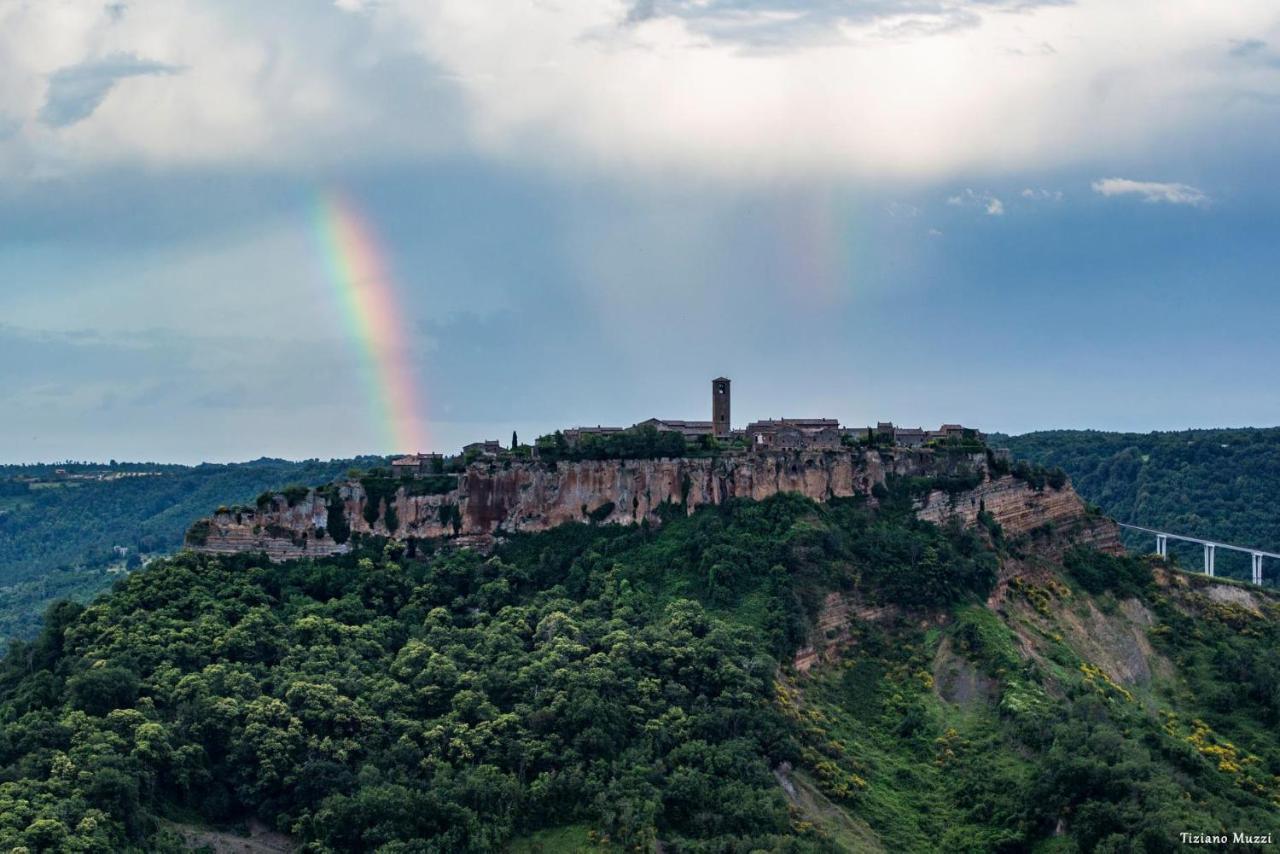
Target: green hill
{"points": [[58, 533], [773, 676], [1213, 484]]}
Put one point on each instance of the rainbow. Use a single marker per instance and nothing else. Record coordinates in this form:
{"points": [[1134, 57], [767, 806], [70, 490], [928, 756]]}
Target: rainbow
{"points": [[366, 299]]}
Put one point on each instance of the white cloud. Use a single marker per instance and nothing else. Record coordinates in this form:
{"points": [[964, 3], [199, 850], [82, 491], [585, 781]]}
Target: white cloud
{"points": [[1040, 194], [871, 96], [283, 84], [1152, 191], [914, 88], [992, 205]]}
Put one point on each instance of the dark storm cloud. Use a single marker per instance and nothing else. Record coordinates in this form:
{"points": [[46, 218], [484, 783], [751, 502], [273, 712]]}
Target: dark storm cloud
{"points": [[77, 90]]}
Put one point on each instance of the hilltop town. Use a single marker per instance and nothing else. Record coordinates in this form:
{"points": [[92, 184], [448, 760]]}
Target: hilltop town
{"points": [[635, 475], [674, 437]]}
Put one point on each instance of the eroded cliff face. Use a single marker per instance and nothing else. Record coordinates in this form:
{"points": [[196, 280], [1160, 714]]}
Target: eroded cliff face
{"points": [[1056, 520], [509, 496], [495, 498], [1020, 509]]}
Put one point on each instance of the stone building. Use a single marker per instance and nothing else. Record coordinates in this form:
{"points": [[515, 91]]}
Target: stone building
{"points": [[691, 430], [487, 448], [918, 437], [415, 465], [720, 426], [721, 423], [787, 434], [909, 437]]}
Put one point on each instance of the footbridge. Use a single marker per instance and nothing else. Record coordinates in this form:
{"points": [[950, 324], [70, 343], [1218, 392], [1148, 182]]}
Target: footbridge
{"points": [[1210, 549]]}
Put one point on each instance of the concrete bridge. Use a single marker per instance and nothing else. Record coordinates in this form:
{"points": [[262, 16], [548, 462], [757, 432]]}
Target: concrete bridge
{"points": [[1210, 549]]}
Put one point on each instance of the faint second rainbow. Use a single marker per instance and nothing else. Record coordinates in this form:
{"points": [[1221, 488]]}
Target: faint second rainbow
{"points": [[366, 299]]}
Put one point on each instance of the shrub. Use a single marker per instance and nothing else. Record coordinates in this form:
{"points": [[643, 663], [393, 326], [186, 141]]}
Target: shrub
{"points": [[336, 522], [198, 533], [1098, 572], [604, 511]]}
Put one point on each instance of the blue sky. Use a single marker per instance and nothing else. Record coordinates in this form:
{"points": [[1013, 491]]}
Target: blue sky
{"points": [[1019, 215]]}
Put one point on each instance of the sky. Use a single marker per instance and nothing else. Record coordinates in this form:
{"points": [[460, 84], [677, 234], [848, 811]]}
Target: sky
{"points": [[307, 229]]}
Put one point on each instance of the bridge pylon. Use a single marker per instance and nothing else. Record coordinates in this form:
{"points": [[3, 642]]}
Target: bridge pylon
{"points": [[1210, 550]]}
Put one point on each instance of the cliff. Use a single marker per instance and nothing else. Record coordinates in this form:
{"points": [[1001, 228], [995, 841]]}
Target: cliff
{"points": [[505, 496], [1019, 509]]}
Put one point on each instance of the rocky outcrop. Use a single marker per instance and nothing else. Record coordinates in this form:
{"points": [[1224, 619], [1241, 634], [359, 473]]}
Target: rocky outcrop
{"points": [[498, 497], [1022, 509]]}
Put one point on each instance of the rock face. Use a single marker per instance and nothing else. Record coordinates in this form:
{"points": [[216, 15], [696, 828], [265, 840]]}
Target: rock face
{"points": [[505, 496], [1021, 509]]}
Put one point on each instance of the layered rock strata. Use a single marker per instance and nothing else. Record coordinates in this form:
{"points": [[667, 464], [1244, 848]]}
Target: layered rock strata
{"points": [[500, 497]]}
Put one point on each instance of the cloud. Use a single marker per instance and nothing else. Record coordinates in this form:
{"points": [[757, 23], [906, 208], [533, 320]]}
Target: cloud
{"points": [[76, 91], [1152, 191], [641, 10], [725, 90], [786, 24], [992, 205], [876, 89], [1247, 47], [1040, 194]]}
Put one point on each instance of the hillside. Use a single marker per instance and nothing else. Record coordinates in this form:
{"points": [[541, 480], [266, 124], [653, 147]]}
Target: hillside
{"points": [[57, 534], [1215, 484], [781, 675]]}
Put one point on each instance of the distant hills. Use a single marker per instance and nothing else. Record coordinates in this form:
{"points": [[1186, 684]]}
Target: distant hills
{"points": [[1217, 484], [60, 523]]}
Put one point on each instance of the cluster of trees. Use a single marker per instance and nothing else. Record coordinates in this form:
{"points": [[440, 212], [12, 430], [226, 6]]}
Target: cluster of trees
{"points": [[1098, 572], [622, 677], [360, 703], [1037, 476], [637, 443], [56, 541], [1215, 484]]}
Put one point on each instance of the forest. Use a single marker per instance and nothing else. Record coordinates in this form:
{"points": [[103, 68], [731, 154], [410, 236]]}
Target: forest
{"points": [[1213, 484], [600, 688], [57, 536]]}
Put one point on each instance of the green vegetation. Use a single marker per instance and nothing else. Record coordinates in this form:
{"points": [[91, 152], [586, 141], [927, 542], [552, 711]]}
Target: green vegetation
{"points": [[1097, 572], [1215, 484], [607, 688], [637, 443], [56, 536]]}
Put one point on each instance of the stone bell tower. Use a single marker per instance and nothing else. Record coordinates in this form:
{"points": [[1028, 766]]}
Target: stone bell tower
{"points": [[720, 423]]}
